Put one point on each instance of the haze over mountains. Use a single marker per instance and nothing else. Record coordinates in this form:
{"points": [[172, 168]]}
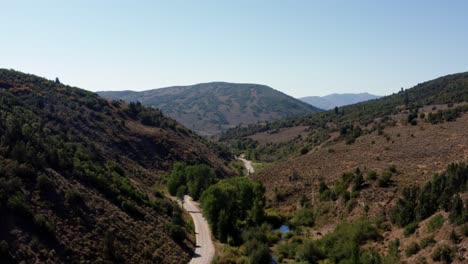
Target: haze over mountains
{"points": [[209, 108], [332, 100]]}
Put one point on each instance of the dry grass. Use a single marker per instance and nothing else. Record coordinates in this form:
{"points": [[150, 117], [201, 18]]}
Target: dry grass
{"points": [[416, 151]]}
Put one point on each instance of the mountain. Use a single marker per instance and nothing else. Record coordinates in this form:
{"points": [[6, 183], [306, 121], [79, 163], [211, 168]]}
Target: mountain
{"points": [[80, 176], [210, 108], [336, 100]]}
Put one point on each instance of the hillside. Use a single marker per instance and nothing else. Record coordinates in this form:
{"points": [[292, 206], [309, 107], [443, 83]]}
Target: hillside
{"points": [[210, 108], [331, 101], [77, 176], [283, 138], [390, 164]]}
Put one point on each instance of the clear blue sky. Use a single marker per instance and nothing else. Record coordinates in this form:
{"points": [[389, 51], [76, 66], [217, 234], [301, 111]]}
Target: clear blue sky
{"points": [[299, 47]]}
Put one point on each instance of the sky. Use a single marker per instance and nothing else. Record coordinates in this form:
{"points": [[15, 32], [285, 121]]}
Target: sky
{"points": [[301, 48]]}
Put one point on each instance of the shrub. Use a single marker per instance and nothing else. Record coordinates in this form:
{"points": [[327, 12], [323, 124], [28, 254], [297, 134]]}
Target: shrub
{"points": [[410, 229], [287, 250], [385, 179], [44, 184], [17, 203], [273, 218], [131, 208], [343, 243], [457, 214], [443, 253], [370, 256], [303, 217], [176, 232], [372, 176], [44, 227], [393, 248], [435, 223], [412, 249], [273, 237], [454, 237], [309, 252], [464, 230], [181, 191], [261, 255], [392, 168], [74, 198], [427, 241]]}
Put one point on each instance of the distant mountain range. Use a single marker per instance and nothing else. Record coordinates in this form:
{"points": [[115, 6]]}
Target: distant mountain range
{"points": [[209, 108], [330, 101]]}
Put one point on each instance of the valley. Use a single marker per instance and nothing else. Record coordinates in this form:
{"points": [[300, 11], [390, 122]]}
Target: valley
{"points": [[234, 132], [369, 179]]}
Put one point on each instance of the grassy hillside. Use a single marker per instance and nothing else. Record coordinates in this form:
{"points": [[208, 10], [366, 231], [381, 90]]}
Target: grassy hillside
{"points": [[383, 181], [77, 175], [292, 136], [210, 108]]}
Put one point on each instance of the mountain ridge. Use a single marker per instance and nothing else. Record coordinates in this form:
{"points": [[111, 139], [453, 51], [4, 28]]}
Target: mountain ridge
{"points": [[330, 101], [212, 107]]}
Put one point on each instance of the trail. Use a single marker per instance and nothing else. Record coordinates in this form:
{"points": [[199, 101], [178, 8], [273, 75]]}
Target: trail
{"points": [[204, 249], [247, 164]]}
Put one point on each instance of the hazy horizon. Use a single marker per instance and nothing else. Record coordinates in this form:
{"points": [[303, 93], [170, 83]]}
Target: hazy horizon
{"points": [[299, 48]]}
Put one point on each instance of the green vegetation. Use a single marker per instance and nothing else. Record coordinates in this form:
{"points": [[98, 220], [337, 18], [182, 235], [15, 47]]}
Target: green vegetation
{"points": [[385, 179], [231, 205], [75, 165], [410, 229], [440, 193], [190, 179], [443, 253], [435, 223], [206, 103], [393, 248], [453, 236], [340, 188], [343, 245], [465, 230], [412, 249], [427, 241], [447, 115], [356, 120], [303, 217]]}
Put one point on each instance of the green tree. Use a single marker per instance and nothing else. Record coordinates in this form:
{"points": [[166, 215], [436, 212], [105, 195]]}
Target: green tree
{"points": [[230, 203]]}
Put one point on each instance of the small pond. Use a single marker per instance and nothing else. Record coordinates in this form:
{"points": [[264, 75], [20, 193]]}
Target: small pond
{"points": [[284, 229]]}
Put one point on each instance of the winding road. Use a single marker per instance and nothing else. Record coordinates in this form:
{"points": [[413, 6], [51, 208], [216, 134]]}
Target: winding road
{"points": [[247, 164], [204, 249]]}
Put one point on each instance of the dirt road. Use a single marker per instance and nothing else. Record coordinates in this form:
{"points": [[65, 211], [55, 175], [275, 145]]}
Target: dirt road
{"points": [[204, 251], [247, 164]]}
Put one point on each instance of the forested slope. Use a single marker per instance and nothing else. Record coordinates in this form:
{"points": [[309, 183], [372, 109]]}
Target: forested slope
{"points": [[77, 175]]}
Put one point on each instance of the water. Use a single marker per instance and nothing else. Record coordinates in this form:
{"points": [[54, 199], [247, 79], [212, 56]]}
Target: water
{"points": [[284, 229]]}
